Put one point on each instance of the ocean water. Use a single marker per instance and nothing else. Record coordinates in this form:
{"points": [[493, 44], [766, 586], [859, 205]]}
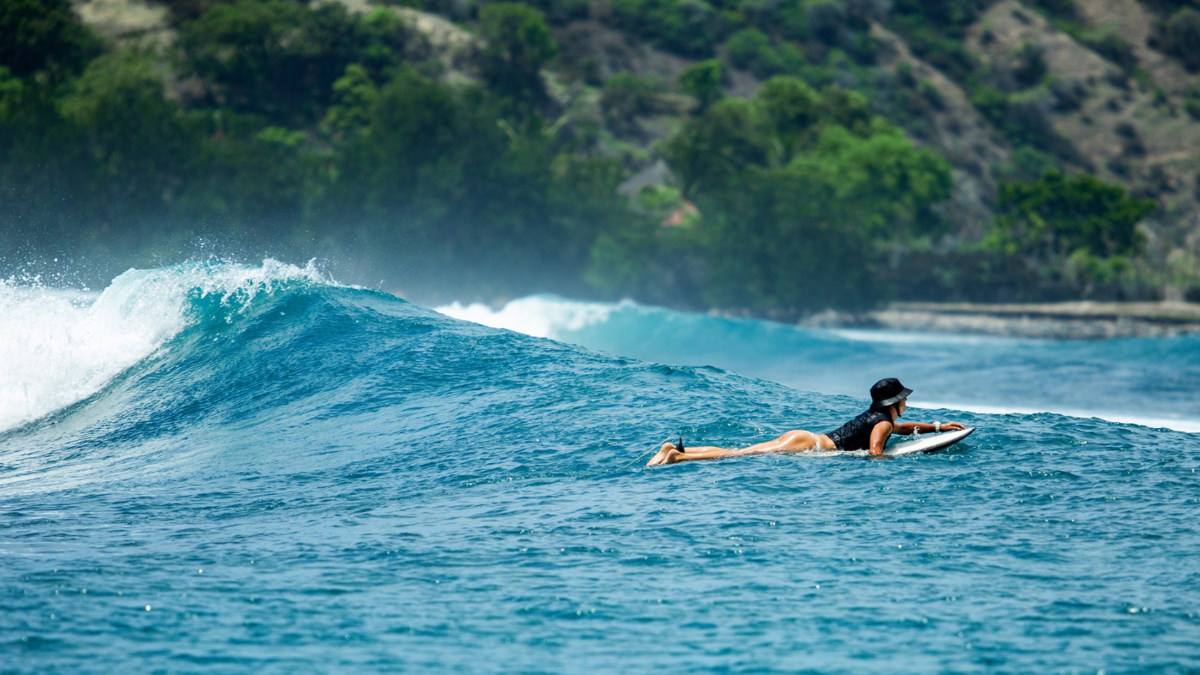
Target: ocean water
{"points": [[1151, 382], [216, 467]]}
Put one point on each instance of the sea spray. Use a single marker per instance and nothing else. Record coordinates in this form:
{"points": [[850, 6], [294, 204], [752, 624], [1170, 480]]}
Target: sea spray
{"points": [[60, 346], [540, 315]]}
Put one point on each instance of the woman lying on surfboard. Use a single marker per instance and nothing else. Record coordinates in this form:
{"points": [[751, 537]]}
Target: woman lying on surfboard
{"points": [[868, 431]]}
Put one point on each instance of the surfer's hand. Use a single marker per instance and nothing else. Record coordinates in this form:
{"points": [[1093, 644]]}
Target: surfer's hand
{"points": [[952, 426]]}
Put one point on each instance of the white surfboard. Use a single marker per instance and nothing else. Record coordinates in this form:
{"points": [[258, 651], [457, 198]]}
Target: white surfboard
{"points": [[927, 443]]}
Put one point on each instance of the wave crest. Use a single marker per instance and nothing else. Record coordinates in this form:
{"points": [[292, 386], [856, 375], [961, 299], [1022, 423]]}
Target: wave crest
{"points": [[539, 315], [61, 346]]}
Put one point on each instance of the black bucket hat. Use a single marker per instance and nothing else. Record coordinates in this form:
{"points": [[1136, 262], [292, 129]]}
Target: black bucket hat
{"points": [[886, 392]]}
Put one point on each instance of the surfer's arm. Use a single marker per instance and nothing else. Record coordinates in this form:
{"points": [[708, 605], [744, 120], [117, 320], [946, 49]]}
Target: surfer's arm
{"points": [[879, 437], [907, 428]]}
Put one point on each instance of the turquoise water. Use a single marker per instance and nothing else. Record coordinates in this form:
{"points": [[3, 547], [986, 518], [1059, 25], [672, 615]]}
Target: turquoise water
{"points": [[1150, 382], [228, 468]]}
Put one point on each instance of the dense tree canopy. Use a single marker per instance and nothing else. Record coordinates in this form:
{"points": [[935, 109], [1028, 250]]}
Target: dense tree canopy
{"points": [[803, 195], [39, 34], [518, 46], [291, 127], [1057, 215], [279, 59]]}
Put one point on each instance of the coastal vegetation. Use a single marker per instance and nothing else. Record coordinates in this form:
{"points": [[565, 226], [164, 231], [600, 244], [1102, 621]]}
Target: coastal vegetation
{"points": [[799, 165]]}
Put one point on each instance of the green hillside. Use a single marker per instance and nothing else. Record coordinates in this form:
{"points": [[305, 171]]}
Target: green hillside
{"points": [[778, 158]]}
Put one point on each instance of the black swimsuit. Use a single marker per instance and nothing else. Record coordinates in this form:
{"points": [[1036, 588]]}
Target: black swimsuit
{"points": [[856, 434]]}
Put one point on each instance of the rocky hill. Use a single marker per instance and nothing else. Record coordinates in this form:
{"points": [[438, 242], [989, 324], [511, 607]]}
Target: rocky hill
{"points": [[1100, 96], [1127, 123], [1003, 89]]}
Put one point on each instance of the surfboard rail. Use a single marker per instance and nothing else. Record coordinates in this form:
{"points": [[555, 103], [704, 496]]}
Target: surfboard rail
{"points": [[928, 442]]}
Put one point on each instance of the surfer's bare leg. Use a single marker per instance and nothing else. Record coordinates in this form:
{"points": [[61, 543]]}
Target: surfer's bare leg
{"points": [[792, 441], [669, 454], [665, 455]]}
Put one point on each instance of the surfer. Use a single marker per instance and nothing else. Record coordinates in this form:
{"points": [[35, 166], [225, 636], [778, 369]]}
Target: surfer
{"points": [[869, 431]]}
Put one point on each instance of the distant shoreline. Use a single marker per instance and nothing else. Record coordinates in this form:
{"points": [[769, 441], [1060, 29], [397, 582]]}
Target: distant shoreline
{"points": [[1079, 320]]}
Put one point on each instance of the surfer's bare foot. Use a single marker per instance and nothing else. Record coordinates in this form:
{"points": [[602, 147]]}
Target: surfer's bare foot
{"points": [[667, 455]]}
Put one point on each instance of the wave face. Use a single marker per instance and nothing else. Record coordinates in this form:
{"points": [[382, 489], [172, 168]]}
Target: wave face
{"points": [[222, 467], [60, 347], [1144, 381]]}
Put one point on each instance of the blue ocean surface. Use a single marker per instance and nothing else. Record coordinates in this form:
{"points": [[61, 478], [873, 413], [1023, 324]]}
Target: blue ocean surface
{"points": [[229, 468], [1152, 382]]}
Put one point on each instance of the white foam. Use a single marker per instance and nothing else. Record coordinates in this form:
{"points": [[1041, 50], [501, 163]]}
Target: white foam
{"points": [[898, 337], [58, 346], [538, 315], [1178, 424]]}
